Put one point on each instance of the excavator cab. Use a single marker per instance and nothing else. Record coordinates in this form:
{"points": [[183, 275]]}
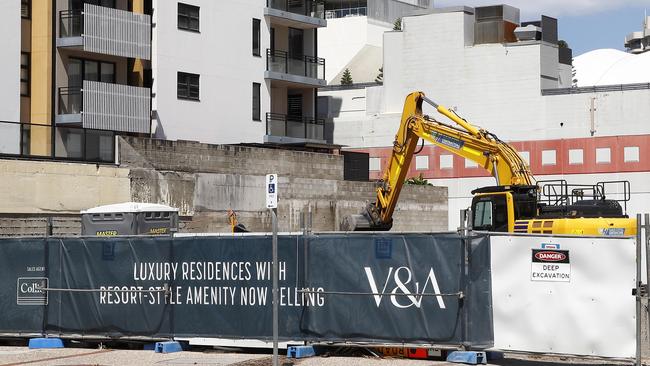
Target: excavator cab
{"points": [[496, 208]]}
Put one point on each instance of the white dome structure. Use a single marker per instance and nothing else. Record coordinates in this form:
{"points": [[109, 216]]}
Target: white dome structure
{"points": [[612, 67]]}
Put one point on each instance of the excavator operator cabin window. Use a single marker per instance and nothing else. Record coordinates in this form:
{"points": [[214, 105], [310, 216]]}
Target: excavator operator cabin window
{"points": [[483, 215]]}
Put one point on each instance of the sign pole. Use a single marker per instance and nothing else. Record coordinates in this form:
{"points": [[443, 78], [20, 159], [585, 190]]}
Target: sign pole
{"points": [[272, 204], [274, 213]]}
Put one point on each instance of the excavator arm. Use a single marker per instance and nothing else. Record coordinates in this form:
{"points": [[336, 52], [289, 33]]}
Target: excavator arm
{"points": [[497, 157]]}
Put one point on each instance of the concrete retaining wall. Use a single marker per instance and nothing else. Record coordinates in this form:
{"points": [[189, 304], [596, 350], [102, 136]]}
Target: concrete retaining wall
{"points": [[204, 181]]}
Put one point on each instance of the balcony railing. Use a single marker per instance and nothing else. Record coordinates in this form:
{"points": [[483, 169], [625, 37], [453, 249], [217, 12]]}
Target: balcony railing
{"points": [[347, 12], [29, 140], [107, 106], [107, 31], [310, 8], [294, 126], [71, 23], [283, 62]]}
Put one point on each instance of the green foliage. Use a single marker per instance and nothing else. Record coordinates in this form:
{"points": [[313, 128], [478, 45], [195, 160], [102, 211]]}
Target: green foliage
{"points": [[397, 26], [562, 44], [380, 76], [418, 181], [346, 79]]}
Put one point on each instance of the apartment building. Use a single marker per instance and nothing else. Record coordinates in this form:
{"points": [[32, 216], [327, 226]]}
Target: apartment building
{"points": [[80, 72]]}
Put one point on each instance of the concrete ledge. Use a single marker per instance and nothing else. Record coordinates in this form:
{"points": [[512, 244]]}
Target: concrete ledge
{"points": [[289, 19], [295, 79]]}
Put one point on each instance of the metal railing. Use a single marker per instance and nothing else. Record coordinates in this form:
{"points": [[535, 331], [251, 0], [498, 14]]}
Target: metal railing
{"points": [[108, 31], [70, 100], [596, 89], [71, 23], [347, 12], [41, 141], [310, 8], [108, 106], [286, 63], [294, 126]]}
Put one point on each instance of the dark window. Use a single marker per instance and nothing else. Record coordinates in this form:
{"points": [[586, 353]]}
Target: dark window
{"points": [[256, 37], [25, 8], [272, 30], [79, 4], [296, 42], [256, 102], [188, 17], [294, 105], [188, 86], [91, 70], [24, 73]]}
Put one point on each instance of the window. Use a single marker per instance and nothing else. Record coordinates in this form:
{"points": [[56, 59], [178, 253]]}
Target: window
{"points": [[374, 164], [549, 157], [483, 214], [422, 162], [603, 155], [256, 102], [631, 154], [470, 164], [24, 74], [25, 8], [91, 70], [576, 156], [446, 161], [79, 4], [526, 156], [188, 86], [188, 17], [256, 37]]}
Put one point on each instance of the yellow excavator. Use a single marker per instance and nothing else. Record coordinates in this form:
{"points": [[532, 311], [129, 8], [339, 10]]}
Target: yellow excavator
{"points": [[516, 204]]}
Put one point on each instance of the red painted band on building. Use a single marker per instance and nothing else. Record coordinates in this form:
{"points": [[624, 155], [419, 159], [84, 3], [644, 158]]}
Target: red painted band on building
{"points": [[637, 156]]}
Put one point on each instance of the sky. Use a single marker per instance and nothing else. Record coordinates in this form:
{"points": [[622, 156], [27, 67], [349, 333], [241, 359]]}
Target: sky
{"points": [[585, 24]]}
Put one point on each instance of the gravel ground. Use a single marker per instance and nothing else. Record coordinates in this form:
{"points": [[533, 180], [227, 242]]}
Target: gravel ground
{"points": [[100, 357]]}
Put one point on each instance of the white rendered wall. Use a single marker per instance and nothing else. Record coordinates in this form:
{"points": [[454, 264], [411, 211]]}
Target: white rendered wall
{"points": [[10, 61], [343, 38], [222, 55]]}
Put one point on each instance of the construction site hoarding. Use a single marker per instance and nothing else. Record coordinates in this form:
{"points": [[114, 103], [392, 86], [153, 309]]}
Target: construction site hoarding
{"points": [[383, 288], [568, 295]]}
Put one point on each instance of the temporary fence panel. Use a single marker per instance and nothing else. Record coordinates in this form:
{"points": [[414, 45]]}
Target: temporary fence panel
{"points": [[568, 295], [365, 287]]}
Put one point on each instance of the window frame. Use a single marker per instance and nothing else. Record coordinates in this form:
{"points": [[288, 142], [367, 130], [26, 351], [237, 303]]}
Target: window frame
{"points": [[257, 105], [29, 74], [99, 70], [257, 36], [188, 86], [186, 14], [28, 4]]}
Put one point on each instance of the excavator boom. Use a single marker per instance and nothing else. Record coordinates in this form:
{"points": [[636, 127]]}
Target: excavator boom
{"points": [[463, 139]]}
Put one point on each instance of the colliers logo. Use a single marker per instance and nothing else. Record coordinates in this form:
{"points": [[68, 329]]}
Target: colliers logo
{"points": [[402, 290], [549, 256], [29, 291]]}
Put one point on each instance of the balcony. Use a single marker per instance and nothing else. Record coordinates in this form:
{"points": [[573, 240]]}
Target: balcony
{"points": [[303, 14], [106, 31], [361, 11], [297, 70], [105, 106], [34, 141], [281, 128]]}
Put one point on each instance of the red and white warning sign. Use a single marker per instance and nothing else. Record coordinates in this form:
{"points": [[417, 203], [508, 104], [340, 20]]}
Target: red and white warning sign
{"points": [[550, 264]]}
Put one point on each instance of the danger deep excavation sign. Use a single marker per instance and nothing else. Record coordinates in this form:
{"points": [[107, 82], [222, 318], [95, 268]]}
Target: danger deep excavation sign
{"points": [[550, 265]]}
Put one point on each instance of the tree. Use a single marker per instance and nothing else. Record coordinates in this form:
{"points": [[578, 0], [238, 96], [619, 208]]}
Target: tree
{"points": [[418, 181], [562, 44], [380, 76], [397, 26], [346, 79]]}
